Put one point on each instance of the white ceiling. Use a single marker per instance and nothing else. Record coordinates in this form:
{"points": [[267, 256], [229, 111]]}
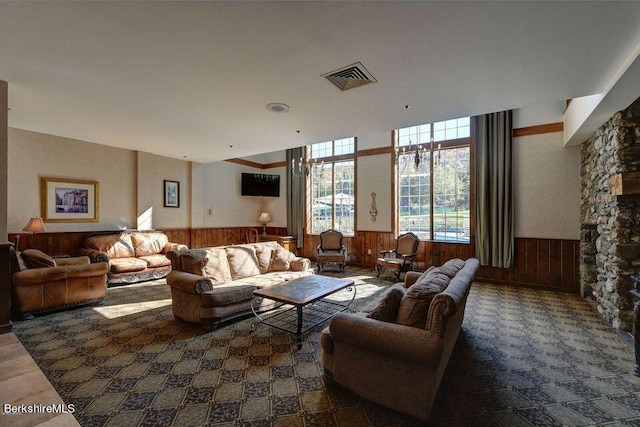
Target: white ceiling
{"points": [[188, 79]]}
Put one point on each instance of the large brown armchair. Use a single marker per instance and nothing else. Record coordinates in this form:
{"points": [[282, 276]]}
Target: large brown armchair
{"points": [[401, 258], [40, 283], [331, 249]]}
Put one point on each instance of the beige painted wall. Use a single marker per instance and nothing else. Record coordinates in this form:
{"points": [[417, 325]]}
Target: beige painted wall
{"points": [[152, 171], [4, 159], [221, 184], [547, 187], [374, 175], [33, 154]]}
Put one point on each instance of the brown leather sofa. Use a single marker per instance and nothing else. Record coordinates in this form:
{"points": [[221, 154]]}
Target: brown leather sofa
{"points": [[132, 256], [40, 283]]}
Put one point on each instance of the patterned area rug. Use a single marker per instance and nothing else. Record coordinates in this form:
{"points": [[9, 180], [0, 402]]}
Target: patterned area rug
{"points": [[524, 357]]}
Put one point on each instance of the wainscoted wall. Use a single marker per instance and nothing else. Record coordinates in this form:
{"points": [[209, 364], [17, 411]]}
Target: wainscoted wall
{"points": [[550, 264], [70, 243]]}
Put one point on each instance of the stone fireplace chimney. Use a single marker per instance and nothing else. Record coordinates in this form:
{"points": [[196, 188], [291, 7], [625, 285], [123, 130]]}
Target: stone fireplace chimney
{"points": [[610, 216]]}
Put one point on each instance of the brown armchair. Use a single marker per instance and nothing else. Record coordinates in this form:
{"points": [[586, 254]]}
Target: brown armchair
{"points": [[331, 249], [401, 258], [40, 283]]}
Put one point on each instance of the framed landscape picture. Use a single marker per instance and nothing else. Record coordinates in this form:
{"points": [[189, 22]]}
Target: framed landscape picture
{"points": [[171, 194], [68, 200]]}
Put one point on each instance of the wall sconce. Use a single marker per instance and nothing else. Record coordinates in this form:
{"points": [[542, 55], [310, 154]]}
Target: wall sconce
{"points": [[373, 212], [264, 219]]}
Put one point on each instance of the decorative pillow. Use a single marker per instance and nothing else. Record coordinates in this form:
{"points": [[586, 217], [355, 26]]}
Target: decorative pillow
{"points": [[115, 245], [424, 276], [415, 303], [193, 261], [451, 267], [216, 266], [281, 259], [21, 264], [37, 259], [387, 308], [148, 243], [242, 261], [264, 252]]}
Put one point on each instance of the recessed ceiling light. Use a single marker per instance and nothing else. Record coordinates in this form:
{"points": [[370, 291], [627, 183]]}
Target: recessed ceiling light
{"points": [[278, 107]]}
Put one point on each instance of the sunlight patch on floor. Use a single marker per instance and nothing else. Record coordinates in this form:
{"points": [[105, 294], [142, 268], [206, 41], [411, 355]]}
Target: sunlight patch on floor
{"points": [[120, 310]]}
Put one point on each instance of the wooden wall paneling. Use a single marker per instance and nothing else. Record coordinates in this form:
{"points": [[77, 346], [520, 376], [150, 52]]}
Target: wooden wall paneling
{"points": [[567, 267], [349, 245], [450, 251], [532, 261], [520, 260], [543, 262], [555, 267]]}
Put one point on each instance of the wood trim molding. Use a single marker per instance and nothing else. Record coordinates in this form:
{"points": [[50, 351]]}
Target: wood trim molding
{"points": [[374, 151], [362, 153], [246, 163], [539, 129], [274, 165]]}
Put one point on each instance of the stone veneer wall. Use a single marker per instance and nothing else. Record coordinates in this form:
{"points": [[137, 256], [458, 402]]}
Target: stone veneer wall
{"points": [[610, 225]]}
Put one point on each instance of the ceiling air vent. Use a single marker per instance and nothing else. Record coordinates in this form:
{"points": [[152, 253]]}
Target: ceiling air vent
{"points": [[351, 76]]}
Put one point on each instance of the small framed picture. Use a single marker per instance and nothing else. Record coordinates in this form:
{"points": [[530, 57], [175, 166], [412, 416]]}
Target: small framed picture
{"points": [[171, 194], [68, 200]]}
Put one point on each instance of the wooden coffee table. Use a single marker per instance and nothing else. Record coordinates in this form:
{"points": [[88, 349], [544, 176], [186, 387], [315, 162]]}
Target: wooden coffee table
{"points": [[308, 292]]}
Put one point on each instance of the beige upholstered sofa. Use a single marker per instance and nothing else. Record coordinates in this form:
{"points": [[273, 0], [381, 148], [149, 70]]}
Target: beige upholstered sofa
{"points": [[396, 351], [213, 285], [132, 256]]}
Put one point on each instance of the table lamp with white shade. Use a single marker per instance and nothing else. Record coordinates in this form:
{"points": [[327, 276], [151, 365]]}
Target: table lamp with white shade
{"points": [[264, 219]]}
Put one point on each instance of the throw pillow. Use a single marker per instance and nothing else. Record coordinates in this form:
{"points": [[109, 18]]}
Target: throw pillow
{"points": [[148, 243], [216, 266], [37, 259], [21, 264], [451, 267], [387, 308], [424, 276], [242, 261], [193, 261], [264, 252], [415, 303], [281, 259]]}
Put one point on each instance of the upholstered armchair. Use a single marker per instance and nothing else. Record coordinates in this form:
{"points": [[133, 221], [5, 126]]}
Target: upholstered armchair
{"points": [[331, 249], [401, 258], [251, 235]]}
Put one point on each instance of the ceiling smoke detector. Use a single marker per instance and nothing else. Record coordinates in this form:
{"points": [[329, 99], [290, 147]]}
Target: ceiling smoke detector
{"points": [[278, 107], [351, 76]]}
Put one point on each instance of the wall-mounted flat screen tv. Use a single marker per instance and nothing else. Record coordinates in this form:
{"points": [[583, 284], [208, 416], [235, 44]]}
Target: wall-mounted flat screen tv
{"points": [[260, 184]]}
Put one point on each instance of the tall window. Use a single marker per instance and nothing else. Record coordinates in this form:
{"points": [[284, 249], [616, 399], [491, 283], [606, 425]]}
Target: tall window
{"points": [[433, 180], [331, 186]]}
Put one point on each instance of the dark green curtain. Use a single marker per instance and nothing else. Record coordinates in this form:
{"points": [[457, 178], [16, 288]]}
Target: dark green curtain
{"points": [[295, 196], [494, 190]]}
